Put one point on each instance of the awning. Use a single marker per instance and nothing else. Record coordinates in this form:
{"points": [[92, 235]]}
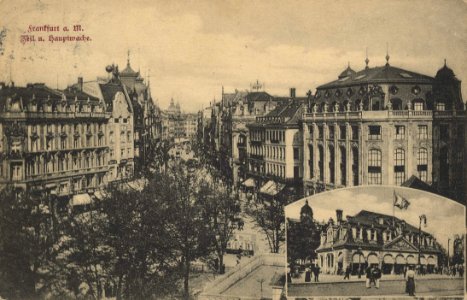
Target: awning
{"points": [[358, 259], [422, 260], [411, 260], [250, 182], [272, 188], [100, 195], [388, 259], [373, 259], [81, 199], [431, 260], [400, 260]]}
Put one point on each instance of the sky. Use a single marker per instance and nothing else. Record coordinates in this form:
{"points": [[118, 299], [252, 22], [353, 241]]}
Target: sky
{"points": [[445, 217], [191, 49]]}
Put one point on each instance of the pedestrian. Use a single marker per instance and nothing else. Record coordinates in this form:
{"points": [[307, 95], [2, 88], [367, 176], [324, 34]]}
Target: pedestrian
{"points": [[307, 274], [316, 273], [369, 276], [454, 271], [461, 271], [410, 283], [405, 271], [376, 274], [347, 273]]}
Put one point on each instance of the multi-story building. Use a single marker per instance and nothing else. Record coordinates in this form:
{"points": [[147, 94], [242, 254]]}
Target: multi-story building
{"points": [[275, 148], [147, 121], [190, 123], [53, 141], [371, 238], [120, 125], [382, 125]]}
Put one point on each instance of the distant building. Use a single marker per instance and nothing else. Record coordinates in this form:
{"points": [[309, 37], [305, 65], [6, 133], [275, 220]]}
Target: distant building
{"points": [[370, 238]]}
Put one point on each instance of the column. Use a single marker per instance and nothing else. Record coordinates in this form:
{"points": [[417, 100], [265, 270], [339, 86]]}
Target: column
{"points": [[325, 154], [306, 154]]}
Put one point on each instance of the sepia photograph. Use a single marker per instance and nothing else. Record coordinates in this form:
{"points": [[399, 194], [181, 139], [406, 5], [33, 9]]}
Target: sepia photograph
{"points": [[232, 149], [375, 241]]}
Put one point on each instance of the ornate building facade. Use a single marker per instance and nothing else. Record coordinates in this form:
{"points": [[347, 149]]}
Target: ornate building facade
{"points": [[370, 238], [53, 141], [382, 125]]}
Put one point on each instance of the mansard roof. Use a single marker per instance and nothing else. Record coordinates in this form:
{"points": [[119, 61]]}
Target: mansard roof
{"points": [[375, 75]]}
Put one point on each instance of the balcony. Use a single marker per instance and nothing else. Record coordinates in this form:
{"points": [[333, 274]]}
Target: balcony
{"points": [[381, 115]]}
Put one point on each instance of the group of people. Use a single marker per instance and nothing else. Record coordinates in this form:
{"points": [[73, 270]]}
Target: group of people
{"points": [[373, 275], [310, 271]]}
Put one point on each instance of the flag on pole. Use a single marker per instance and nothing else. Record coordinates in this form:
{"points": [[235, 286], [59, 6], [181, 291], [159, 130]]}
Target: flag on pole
{"points": [[400, 201]]}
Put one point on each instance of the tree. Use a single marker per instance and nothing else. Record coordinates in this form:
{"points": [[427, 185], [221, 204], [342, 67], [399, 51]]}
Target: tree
{"points": [[303, 239], [220, 209], [140, 232], [27, 244], [268, 214], [179, 187]]}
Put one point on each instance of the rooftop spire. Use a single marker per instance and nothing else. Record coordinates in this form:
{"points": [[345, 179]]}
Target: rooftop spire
{"points": [[445, 62], [128, 58], [387, 55], [367, 60]]}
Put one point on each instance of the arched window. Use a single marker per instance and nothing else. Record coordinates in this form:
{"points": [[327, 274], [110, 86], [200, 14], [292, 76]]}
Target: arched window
{"points": [[396, 104], [310, 162], [321, 162], [343, 165], [331, 164], [422, 164], [374, 167], [399, 166]]}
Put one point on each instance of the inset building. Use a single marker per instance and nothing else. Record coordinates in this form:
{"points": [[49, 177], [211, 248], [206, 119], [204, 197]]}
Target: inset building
{"points": [[371, 238]]}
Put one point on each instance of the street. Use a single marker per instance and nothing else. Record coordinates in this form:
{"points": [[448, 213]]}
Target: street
{"points": [[435, 287]]}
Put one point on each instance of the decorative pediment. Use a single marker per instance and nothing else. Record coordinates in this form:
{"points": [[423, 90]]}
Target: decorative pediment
{"points": [[400, 244]]}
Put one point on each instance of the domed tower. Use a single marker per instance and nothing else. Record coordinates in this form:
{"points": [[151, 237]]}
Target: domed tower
{"points": [[306, 213], [447, 90]]}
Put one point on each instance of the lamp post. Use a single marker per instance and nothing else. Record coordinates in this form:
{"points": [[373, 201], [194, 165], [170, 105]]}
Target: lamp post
{"points": [[422, 219]]}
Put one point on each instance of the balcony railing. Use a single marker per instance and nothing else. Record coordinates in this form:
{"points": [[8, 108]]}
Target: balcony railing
{"points": [[374, 115]]}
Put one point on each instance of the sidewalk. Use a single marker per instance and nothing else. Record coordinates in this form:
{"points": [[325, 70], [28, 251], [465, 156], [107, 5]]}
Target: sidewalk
{"points": [[323, 278]]}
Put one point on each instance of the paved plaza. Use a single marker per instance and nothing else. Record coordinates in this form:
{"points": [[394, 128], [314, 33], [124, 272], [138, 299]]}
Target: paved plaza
{"points": [[440, 286]]}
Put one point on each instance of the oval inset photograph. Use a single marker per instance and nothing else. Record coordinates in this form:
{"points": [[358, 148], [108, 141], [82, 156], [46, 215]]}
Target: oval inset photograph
{"points": [[375, 241]]}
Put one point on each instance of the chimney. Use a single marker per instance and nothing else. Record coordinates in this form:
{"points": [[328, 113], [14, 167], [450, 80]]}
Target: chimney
{"points": [[339, 215], [80, 83], [292, 92]]}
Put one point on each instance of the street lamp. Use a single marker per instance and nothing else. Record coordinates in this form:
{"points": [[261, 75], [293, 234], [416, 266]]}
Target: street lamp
{"points": [[422, 219]]}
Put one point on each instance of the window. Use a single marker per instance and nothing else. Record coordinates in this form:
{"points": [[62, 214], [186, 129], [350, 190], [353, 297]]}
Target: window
{"points": [[354, 132], [331, 132], [422, 132], [343, 132], [422, 164], [374, 167], [310, 130], [343, 165], [444, 132], [320, 132], [331, 164], [418, 105], [355, 162], [310, 162], [399, 166], [400, 132], [296, 154], [374, 132], [440, 106]]}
